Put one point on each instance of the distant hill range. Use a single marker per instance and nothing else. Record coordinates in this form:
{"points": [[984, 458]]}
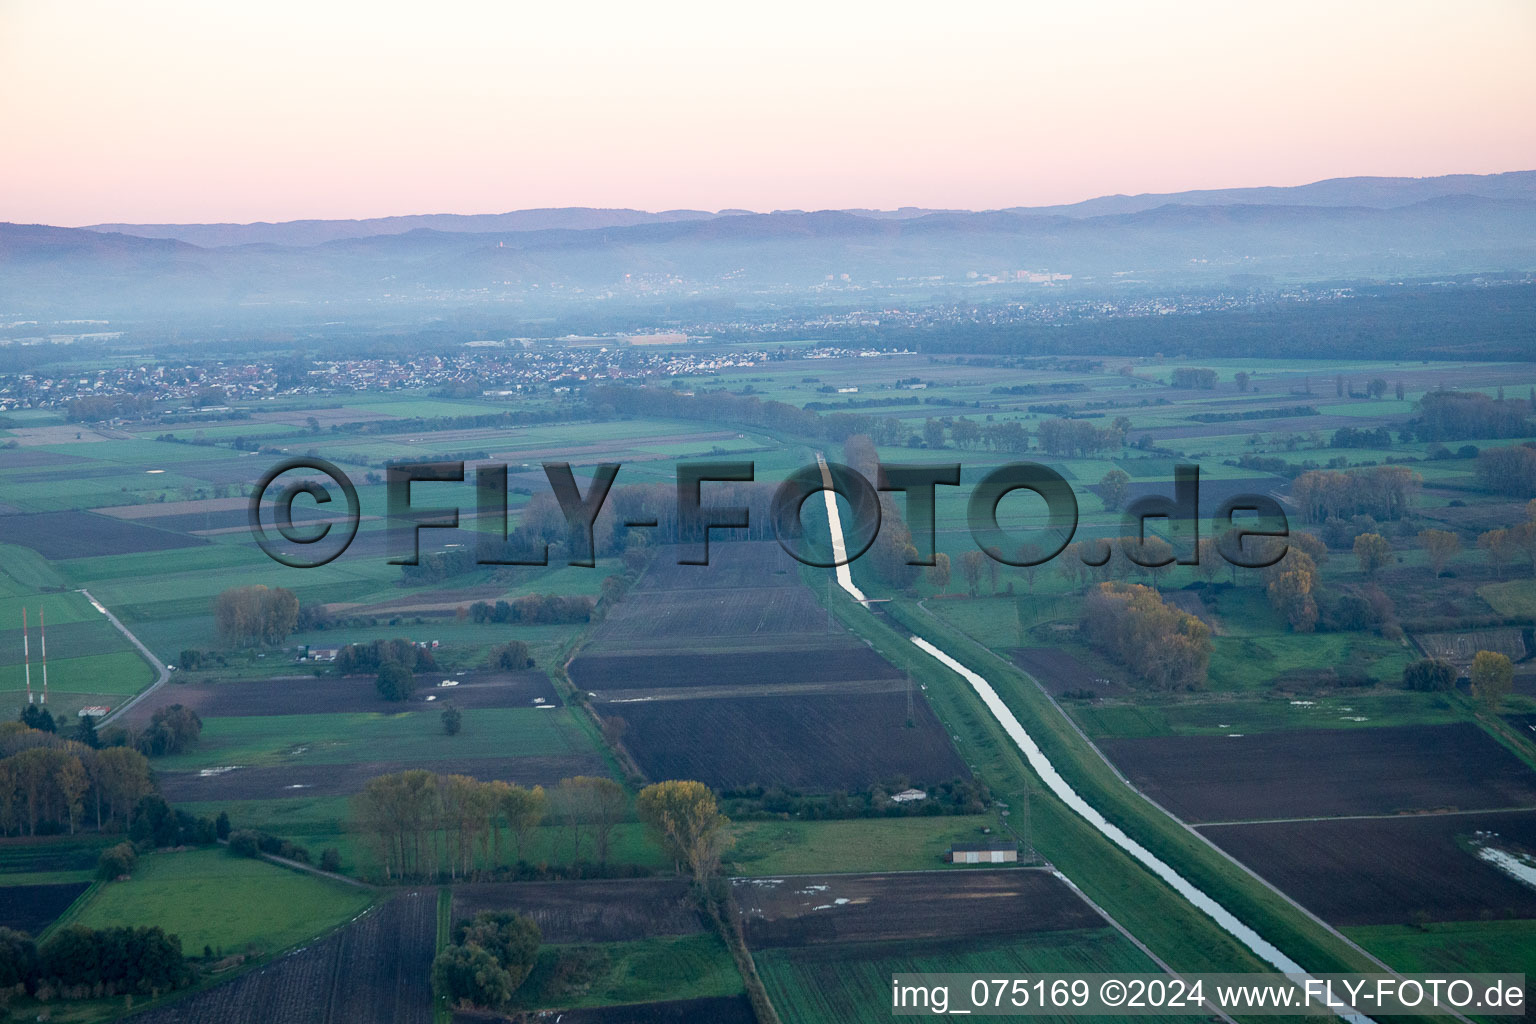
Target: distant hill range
{"points": [[1372, 193], [1347, 228]]}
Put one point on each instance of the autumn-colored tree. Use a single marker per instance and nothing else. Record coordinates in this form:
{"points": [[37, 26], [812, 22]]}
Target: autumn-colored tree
{"points": [[1291, 584], [73, 783], [972, 565], [1372, 552], [1523, 538], [1069, 565], [462, 816], [523, 809], [938, 572], [1311, 544], [1499, 547], [1164, 646], [685, 816], [1440, 546], [1153, 555], [597, 803], [121, 778], [1208, 560], [1030, 553], [1492, 677], [1113, 487], [400, 814]]}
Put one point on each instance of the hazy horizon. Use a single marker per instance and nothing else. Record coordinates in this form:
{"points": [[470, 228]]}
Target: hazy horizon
{"points": [[184, 113], [723, 211]]}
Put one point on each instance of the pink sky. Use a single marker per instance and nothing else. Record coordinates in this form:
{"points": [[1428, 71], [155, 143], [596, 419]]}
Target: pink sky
{"points": [[199, 111]]}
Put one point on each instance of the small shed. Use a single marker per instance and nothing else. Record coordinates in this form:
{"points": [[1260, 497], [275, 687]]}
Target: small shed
{"points": [[993, 852]]}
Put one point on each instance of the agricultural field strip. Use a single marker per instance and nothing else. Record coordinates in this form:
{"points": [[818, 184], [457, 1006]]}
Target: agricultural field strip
{"points": [[1378, 871], [1201, 837], [793, 910], [375, 968], [1059, 786], [750, 688], [607, 910], [1327, 772], [760, 726], [1364, 817]]}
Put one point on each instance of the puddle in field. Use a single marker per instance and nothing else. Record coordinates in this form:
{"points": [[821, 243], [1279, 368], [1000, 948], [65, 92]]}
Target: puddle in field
{"points": [[206, 772], [1519, 868]]}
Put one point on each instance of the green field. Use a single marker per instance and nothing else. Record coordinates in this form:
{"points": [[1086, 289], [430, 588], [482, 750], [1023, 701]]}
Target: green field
{"points": [[1263, 713], [407, 735], [210, 898], [1517, 598], [872, 844], [837, 983], [1452, 945]]}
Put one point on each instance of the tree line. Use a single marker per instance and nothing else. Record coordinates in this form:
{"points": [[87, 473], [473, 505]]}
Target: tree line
{"points": [[49, 784], [1464, 415], [368, 657], [1161, 645], [85, 963], [255, 616], [1382, 492], [1510, 471], [422, 825], [541, 609]]}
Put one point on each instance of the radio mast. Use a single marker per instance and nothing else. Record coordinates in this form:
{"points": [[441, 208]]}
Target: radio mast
{"points": [[42, 628], [26, 656]]}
